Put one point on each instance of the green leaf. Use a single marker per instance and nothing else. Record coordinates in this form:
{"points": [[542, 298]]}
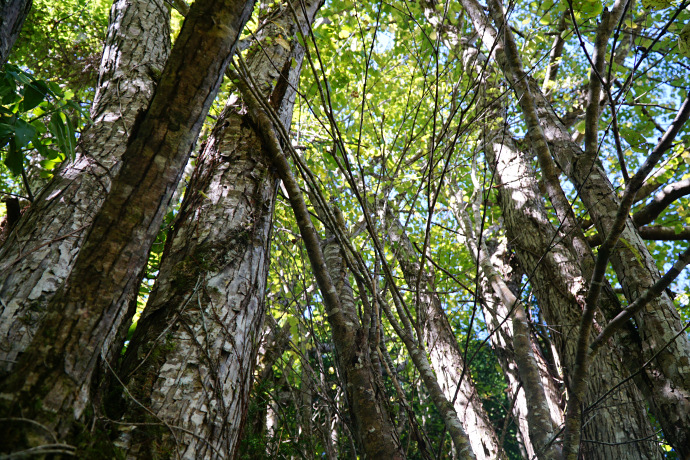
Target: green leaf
{"points": [[592, 8], [61, 127], [23, 133], [34, 93], [684, 41], [580, 126], [656, 4], [6, 130], [14, 159]]}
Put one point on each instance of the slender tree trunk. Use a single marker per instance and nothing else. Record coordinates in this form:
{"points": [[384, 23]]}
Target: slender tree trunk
{"points": [[39, 254], [540, 423], [377, 433], [501, 319], [12, 16], [560, 287], [668, 374], [365, 398], [192, 356], [50, 384], [444, 351]]}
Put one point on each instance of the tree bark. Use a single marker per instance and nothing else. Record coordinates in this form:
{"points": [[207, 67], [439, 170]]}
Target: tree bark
{"points": [[658, 324], [502, 321], [559, 285], [538, 395], [50, 384], [39, 254], [444, 351], [192, 356], [364, 395], [12, 16]]}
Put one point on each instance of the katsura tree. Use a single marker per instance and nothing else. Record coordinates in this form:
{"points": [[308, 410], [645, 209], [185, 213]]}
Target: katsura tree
{"points": [[51, 382], [417, 266], [12, 16], [187, 371], [40, 251], [374, 152]]}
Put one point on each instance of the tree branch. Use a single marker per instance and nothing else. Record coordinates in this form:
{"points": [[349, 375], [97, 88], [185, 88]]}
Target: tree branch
{"points": [[661, 201], [640, 302], [652, 233]]}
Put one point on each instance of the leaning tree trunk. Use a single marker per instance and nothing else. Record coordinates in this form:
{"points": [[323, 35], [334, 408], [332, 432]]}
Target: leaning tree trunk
{"points": [[51, 382], [444, 352], [559, 285], [40, 253], [379, 439], [364, 396], [192, 356], [502, 319], [658, 323], [12, 16], [540, 414]]}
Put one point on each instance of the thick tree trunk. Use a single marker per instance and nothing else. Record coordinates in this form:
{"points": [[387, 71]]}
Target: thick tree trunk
{"points": [[192, 356], [40, 253], [50, 384], [444, 351], [560, 287], [12, 16], [658, 324]]}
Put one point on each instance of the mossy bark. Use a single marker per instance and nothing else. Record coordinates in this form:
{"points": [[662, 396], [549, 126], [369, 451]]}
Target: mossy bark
{"points": [[208, 299], [51, 383]]}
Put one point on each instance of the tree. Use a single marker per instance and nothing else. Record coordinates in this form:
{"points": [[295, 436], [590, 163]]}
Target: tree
{"points": [[188, 360], [53, 390], [415, 265], [41, 250], [12, 16]]}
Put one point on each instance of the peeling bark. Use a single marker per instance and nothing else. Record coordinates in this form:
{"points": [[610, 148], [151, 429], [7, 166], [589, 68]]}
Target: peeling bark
{"points": [[51, 382], [192, 356], [668, 375], [503, 338], [444, 351], [39, 254], [560, 287], [12, 16]]}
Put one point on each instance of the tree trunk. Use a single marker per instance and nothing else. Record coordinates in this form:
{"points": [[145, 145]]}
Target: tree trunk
{"points": [[541, 426], [51, 382], [12, 16], [378, 438], [560, 288], [274, 343], [495, 313], [658, 324], [668, 374], [39, 254], [192, 356], [444, 351], [365, 398]]}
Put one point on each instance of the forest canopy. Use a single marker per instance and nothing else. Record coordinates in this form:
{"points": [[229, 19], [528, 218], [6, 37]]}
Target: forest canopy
{"points": [[336, 229]]}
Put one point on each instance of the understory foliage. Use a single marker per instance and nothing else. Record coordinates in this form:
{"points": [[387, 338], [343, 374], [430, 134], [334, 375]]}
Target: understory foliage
{"points": [[397, 105]]}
